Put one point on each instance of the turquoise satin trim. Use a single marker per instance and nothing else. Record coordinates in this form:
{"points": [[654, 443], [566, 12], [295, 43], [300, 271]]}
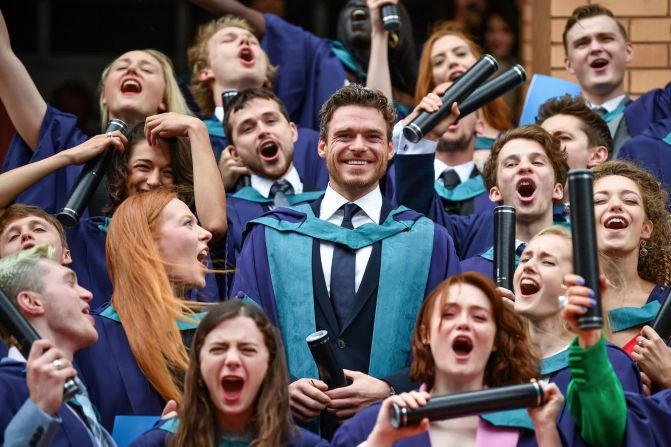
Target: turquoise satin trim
{"points": [[472, 187], [554, 363], [627, 317], [667, 139], [512, 418], [363, 236], [398, 299], [215, 128], [111, 314], [346, 58], [484, 143], [252, 195], [489, 255], [171, 425], [103, 228], [610, 116]]}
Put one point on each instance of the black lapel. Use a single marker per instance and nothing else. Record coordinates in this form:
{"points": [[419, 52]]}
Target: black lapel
{"points": [[318, 282]]}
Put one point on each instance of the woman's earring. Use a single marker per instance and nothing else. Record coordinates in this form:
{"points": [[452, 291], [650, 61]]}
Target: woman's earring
{"points": [[643, 251]]}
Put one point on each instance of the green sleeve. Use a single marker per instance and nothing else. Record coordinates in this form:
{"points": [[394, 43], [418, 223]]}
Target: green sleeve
{"points": [[595, 396]]}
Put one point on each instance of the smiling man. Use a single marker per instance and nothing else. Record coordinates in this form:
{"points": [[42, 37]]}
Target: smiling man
{"points": [[348, 263]]}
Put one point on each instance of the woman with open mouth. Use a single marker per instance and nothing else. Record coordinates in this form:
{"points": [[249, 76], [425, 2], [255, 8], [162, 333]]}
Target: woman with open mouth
{"points": [[465, 339], [539, 290], [155, 253], [235, 390], [633, 231]]}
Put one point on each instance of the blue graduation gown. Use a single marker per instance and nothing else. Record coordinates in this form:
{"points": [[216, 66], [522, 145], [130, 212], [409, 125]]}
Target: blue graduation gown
{"points": [[310, 166], [59, 131], [14, 392], [279, 268], [651, 150], [648, 108], [648, 419], [160, 435], [415, 188], [116, 384]]}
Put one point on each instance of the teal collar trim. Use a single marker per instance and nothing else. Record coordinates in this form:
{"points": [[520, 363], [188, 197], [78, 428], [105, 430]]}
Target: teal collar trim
{"points": [[171, 425], [252, 195], [346, 58], [111, 314], [104, 227], [554, 363], [472, 187], [512, 418], [610, 116], [627, 317], [667, 139], [215, 128], [489, 255], [362, 236], [482, 143]]}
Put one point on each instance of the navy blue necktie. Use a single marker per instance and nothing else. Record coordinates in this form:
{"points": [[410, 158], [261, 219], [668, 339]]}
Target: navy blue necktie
{"points": [[601, 111], [520, 249], [450, 178], [343, 271], [279, 192]]}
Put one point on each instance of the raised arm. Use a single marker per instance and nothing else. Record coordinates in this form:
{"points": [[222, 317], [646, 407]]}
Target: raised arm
{"points": [[208, 188], [379, 76], [221, 7], [24, 103]]}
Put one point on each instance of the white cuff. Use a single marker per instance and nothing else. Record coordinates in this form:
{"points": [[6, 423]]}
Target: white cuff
{"points": [[405, 147]]}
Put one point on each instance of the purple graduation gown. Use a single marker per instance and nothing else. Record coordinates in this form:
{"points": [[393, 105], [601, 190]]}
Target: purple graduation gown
{"points": [[14, 392], [648, 108], [159, 436]]}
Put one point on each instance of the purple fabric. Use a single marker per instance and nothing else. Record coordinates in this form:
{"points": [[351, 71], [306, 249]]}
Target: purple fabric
{"points": [[478, 264], [648, 108], [14, 392], [648, 419]]}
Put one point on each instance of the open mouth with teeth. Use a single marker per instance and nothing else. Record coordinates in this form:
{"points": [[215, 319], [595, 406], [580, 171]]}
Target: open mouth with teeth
{"points": [[616, 223], [246, 55], [269, 151], [202, 257], [526, 189], [359, 15], [232, 387], [598, 63], [528, 286], [456, 75], [357, 162], [462, 346], [131, 86]]}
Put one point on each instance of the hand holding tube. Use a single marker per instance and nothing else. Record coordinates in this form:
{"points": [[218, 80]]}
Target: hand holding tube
{"points": [[457, 92], [322, 351]]}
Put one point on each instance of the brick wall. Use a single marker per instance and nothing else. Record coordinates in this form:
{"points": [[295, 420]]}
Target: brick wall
{"points": [[648, 24]]}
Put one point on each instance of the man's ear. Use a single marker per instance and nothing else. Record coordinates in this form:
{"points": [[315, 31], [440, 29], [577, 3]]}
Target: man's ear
{"points": [[67, 257], [30, 303], [321, 149], [568, 65], [558, 192], [294, 131], [495, 195], [597, 156], [205, 75], [234, 152]]}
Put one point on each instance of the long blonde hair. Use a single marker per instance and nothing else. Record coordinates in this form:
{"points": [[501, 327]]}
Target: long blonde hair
{"points": [[143, 296]]}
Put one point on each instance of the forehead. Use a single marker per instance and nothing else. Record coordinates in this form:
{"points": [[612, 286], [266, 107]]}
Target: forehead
{"points": [[592, 25], [550, 243], [158, 154], [448, 42], [358, 118], [232, 30], [240, 328], [139, 57], [54, 271], [616, 183], [466, 295], [31, 221], [562, 122], [254, 109], [521, 147], [174, 210]]}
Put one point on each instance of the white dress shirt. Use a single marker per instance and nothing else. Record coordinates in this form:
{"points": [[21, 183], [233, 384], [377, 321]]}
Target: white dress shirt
{"points": [[463, 170], [371, 207], [263, 184]]}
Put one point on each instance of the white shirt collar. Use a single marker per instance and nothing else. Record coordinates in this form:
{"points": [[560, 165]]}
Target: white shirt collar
{"points": [[263, 184], [371, 204], [15, 354], [463, 170], [609, 105], [219, 113]]}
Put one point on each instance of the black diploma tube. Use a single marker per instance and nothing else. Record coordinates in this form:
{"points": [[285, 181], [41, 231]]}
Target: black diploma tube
{"points": [[17, 325], [329, 370], [583, 233], [457, 92], [458, 405], [492, 89], [504, 246], [89, 179], [390, 18], [227, 96], [662, 322]]}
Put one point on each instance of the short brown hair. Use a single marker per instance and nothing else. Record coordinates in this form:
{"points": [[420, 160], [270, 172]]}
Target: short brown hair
{"points": [[585, 12], [535, 133], [240, 100], [513, 360], [356, 95], [656, 265], [198, 56], [594, 127], [18, 211]]}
